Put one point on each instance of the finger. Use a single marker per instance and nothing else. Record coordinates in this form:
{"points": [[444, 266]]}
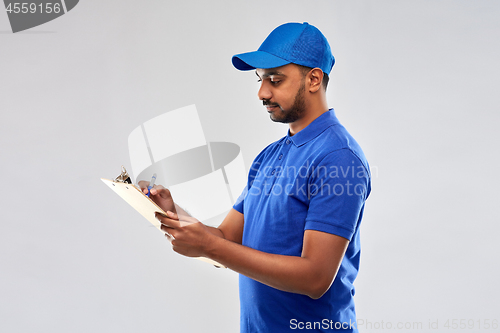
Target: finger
{"points": [[173, 215], [172, 233], [157, 189], [143, 185], [163, 192], [168, 222], [186, 219], [166, 229], [170, 215]]}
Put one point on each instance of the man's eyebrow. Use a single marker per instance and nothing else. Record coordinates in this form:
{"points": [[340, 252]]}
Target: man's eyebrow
{"points": [[268, 74]]}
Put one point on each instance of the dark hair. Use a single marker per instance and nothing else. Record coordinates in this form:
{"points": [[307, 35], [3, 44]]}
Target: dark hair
{"points": [[305, 70]]}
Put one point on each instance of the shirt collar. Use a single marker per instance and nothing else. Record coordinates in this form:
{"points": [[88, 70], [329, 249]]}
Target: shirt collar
{"points": [[314, 129]]}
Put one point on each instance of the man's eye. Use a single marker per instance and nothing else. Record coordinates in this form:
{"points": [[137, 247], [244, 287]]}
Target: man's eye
{"points": [[275, 82]]}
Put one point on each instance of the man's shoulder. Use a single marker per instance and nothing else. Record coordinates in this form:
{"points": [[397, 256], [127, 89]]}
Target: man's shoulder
{"points": [[337, 141]]}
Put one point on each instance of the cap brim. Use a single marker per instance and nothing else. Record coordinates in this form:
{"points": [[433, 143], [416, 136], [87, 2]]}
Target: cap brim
{"points": [[257, 59]]}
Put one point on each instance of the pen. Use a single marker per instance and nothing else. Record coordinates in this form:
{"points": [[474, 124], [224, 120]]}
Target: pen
{"points": [[151, 183]]}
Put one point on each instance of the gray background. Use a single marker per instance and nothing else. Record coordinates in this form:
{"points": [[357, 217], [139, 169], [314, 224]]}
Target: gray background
{"points": [[416, 82]]}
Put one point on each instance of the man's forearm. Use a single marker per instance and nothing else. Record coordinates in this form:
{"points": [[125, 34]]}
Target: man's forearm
{"points": [[215, 231], [288, 273], [310, 274]]}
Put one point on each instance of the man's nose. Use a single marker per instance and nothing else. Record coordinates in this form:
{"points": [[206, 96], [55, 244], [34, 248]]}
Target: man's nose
{"points": [[264, 92]]}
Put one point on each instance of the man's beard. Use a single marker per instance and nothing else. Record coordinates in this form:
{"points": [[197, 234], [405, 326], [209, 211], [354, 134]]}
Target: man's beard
{"points": [[296, 111]]}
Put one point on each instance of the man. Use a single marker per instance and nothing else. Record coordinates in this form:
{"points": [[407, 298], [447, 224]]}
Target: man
{"points": [[293, 234]]}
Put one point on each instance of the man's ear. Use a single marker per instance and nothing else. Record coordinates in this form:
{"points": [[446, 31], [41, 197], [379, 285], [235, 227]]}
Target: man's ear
{"points": [[315, 78]]}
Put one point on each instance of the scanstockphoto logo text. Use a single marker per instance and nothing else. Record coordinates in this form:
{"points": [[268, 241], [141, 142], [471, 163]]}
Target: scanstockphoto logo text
{"points": [[446, 324], [24, 15]]}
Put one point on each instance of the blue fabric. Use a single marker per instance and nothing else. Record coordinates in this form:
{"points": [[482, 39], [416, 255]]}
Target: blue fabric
{"points": [[297, 43], [317, 179]]}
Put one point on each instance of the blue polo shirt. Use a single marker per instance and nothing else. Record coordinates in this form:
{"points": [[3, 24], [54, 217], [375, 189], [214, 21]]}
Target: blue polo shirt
{"points": [[317, 179]]}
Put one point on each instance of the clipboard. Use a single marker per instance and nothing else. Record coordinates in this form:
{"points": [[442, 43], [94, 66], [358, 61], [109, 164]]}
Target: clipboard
{"points": [[122, 185]]}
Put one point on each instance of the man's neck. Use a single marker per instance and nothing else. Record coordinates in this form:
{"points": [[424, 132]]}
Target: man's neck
{"points": [[309, 116]]}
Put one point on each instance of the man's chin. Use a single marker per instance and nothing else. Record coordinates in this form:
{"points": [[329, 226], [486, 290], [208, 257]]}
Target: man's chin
{"points": [[277, 119]]}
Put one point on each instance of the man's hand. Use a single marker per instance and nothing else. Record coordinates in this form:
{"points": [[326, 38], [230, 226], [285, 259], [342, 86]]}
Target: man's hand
{"points": [[160, 195], [188, 236]]}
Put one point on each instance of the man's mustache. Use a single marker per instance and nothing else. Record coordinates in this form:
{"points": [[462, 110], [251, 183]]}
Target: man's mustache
{"points": [[268, 102]]}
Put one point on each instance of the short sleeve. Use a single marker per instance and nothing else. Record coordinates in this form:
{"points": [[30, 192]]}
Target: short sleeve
{"points": [[238, 205], [338, 187]]}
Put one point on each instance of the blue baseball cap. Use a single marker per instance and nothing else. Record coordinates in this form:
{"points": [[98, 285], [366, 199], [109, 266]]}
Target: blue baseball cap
{"points": [[296, 43]]}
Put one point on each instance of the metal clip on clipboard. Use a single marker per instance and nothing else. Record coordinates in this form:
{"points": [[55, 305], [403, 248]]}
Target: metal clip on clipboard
{"points": [[123, 177]]}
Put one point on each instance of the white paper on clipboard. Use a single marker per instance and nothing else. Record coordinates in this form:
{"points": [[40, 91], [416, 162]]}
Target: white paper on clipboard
{"points": [[145, 206]]}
